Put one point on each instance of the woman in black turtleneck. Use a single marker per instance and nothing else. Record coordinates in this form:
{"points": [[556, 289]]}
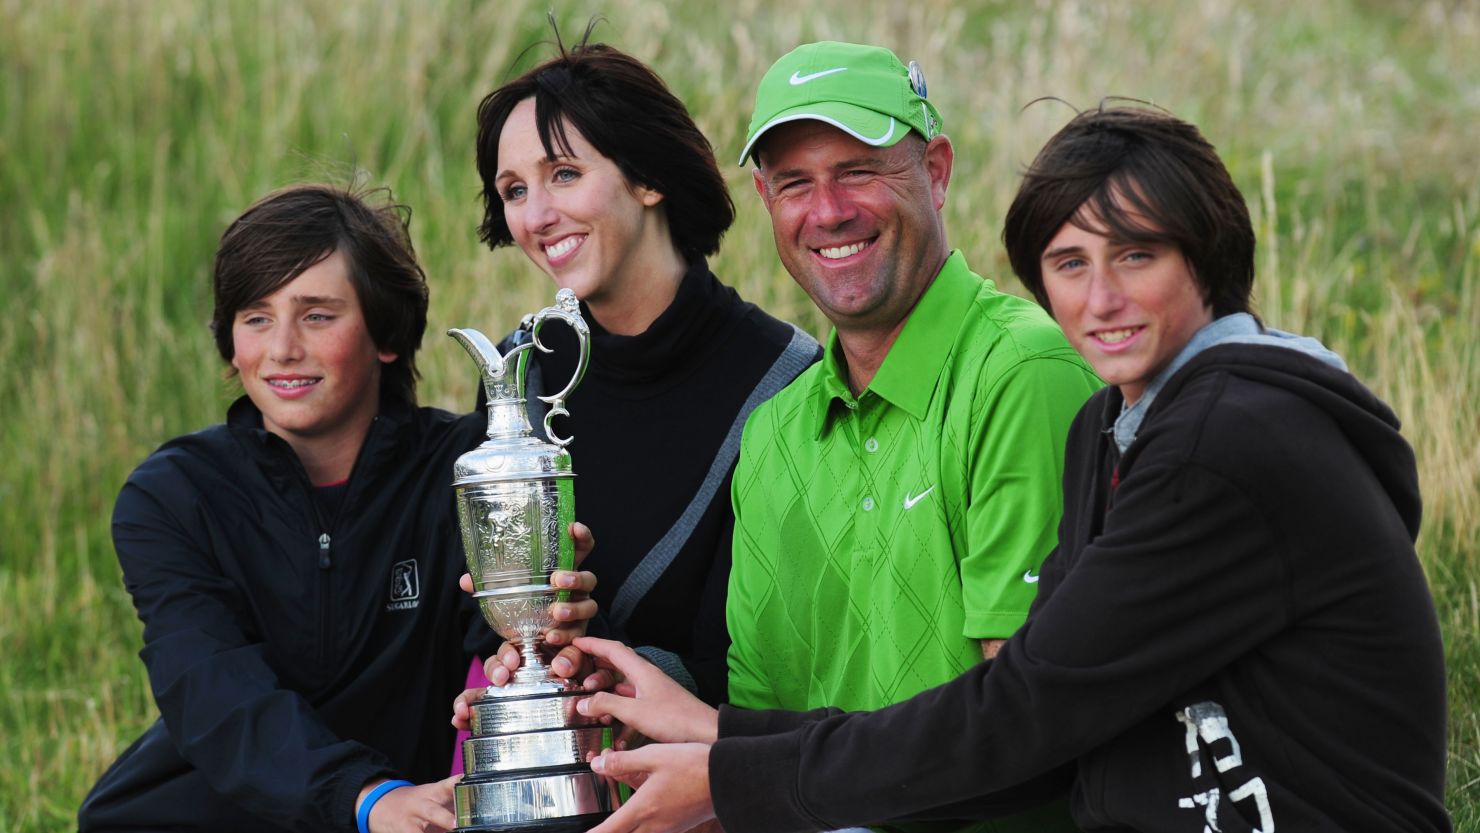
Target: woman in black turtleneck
{"points": [[596, 171]]}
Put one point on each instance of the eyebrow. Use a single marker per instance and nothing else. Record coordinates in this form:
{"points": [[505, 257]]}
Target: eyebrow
{"points": [[868, 159], [544, 161], [1050, 254], [300, 300], [320, 300]]}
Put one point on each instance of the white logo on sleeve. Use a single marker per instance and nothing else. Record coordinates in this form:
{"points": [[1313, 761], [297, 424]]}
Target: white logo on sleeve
{"points": [[909, 502], [797, 78], [1029, 577], [405, 586], [1208, 732]]}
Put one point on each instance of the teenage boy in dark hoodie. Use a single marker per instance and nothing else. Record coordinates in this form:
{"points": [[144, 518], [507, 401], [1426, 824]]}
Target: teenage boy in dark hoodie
{"points": [[1234, 633], [296, 567]]}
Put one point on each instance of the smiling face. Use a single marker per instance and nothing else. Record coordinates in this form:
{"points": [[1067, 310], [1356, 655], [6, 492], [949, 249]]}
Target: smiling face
{"points": [[1128, 308], [858, 227], [307, 360], [577, 217]]}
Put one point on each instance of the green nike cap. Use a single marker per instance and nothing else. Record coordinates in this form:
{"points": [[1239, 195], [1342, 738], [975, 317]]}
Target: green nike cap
{"points": [[864, 91]]}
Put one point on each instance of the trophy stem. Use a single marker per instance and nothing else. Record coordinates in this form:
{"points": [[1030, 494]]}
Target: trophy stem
{"points": [[532, 668]]}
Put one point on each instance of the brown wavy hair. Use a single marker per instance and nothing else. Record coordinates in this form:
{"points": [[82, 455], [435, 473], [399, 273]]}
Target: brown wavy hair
{"points": [[1146, 176], [288, 231]]}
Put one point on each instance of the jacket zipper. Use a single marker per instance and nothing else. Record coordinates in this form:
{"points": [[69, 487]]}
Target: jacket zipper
{"points": [[325, 623], [326, 563], [325, 540]]}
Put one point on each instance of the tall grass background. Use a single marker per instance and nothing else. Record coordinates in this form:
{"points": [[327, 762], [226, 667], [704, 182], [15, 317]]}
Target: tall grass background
{"points": [[132, 132]]}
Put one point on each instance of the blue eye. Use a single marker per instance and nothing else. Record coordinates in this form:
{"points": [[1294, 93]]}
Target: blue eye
{"points": [[566, 175], [512, 193]]}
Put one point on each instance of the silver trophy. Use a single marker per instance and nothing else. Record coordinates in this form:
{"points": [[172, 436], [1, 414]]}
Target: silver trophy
{"points": [[525, 764]]}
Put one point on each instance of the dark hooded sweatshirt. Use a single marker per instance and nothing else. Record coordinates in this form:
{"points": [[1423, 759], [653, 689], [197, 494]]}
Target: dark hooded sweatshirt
{"points": [[1234, 634], [293, 655]]}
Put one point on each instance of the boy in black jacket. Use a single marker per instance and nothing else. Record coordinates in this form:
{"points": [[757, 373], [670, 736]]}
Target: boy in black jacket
{"points": [[296, 567], [1234, 633]]}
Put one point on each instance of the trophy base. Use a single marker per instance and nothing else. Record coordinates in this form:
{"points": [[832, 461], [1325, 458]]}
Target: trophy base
{"points": [[574, 800], [570, 824]]}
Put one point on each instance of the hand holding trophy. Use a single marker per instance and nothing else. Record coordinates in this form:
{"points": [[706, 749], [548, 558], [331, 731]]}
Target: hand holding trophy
{"points": [[526, 760]]}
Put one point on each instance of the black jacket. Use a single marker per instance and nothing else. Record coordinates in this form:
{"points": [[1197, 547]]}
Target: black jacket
{"points": [[292, 657], [1234, 634]]}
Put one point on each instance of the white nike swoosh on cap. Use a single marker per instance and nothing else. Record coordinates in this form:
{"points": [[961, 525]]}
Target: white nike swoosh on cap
{"points": [[797, 78]]}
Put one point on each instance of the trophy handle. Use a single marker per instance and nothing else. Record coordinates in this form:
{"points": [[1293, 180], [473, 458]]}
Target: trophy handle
{"points": [[566, 309]]}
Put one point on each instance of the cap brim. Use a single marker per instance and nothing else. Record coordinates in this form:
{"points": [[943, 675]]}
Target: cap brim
{"points": [[861, 123]]}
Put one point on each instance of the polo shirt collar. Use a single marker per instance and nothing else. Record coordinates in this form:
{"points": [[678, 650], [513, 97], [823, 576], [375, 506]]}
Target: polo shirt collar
{"points": [[908, 376]]}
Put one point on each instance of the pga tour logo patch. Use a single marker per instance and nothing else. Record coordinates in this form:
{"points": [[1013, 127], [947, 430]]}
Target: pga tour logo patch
{"points": [[405, 586]]}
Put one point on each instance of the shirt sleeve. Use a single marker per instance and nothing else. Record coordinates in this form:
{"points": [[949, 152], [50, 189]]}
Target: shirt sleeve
{"points": [[259, 744], [1126, 630], [1020, 423]]}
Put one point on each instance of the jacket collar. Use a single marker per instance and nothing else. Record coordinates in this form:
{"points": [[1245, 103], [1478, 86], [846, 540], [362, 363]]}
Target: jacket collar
{"points": [[393, 419]]}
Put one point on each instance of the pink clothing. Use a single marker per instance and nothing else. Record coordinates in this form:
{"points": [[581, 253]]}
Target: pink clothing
{"points": [[476, 679]]}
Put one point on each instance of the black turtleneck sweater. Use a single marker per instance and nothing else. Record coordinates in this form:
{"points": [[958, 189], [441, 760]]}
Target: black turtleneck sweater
{"points": [[656, 425]]}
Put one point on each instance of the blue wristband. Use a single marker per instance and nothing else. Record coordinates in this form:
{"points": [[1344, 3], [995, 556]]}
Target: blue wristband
{"points": [[362, 818]]}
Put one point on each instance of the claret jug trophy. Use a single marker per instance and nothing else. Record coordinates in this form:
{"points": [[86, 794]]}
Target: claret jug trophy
{"points": [[525, 764]]}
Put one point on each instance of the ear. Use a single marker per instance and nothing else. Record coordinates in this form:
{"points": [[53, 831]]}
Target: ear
{"points": [[760, 185], [647, 196], [387, 357], [940, 157]]}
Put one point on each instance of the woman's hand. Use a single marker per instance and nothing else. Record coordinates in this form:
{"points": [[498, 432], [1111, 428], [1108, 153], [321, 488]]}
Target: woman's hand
{"points": [[573, 616]]}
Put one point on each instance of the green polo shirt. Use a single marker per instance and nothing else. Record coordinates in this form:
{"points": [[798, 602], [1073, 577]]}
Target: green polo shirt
{"points": [[878, 538]]}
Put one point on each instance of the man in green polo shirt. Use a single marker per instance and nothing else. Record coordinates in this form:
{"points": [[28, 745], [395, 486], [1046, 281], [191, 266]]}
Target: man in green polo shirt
{"points": [[892, 504]]}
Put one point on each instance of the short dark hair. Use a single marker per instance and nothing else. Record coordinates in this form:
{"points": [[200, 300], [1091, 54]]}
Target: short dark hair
{"points": [[628, 114], [1146, 176], [288, 231]]}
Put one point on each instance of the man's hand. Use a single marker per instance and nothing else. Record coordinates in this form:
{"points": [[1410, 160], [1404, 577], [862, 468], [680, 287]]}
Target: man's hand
{"points": [[422, 809], [672, 782], [646, 699]]}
